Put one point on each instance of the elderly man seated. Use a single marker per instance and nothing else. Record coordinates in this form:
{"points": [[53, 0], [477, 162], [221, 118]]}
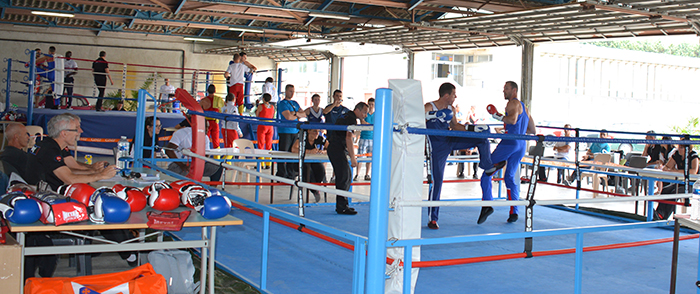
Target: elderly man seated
{"points": [[14, 157]]}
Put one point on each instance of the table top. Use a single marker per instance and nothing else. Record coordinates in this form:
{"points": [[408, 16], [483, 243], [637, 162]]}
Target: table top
{"points": [[137, 220], [693, 224]]}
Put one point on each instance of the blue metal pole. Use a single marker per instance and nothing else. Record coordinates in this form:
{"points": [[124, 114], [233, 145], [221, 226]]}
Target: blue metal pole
{"points": [[579, 263], [32, 81], [265, 249], [279, 82], [246, 89], [379, 192], [697, 291], [650, 204], [7, 87], [140, 126], [359, 261], [407, 268]]}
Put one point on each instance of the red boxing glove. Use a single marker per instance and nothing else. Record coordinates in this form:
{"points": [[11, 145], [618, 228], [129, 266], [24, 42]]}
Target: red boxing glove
{"points": [[491, 109]]}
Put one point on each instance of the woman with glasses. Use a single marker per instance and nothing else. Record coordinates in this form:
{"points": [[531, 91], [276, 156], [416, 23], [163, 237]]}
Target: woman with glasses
{"points": [[148, 135]]}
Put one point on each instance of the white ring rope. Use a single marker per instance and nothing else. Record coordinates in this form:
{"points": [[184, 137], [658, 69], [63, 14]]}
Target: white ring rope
{"points": [[480, 203], [279, 179]]}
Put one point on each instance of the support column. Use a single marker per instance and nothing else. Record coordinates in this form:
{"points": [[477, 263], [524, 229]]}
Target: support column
{"points": [[411, 65], [526, 74], [336, 72]]}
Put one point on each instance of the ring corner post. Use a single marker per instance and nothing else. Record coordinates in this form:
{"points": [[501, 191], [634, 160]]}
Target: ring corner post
{"points": [[379, 191], [31, 86], [140, 126]]}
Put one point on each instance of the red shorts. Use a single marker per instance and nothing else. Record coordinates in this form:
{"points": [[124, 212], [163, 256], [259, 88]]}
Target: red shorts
{"points": [[237, 90]]}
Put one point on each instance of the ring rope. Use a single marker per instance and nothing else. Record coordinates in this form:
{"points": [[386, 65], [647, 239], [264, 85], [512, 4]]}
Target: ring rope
{"points": [[279, 179], [480, 203]]}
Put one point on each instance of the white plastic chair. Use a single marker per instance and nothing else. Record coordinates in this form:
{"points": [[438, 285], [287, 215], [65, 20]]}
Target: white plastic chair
{"points": [[244, 146]]}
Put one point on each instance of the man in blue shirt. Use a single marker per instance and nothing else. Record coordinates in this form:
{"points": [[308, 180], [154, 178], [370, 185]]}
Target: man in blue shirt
{"points": [[365, 144], [288, 110], [335, 110], [598, 147]]}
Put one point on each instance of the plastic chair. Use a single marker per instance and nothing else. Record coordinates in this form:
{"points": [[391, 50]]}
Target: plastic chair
{"points": [[244, 146], [599, 158], [34, 133]]}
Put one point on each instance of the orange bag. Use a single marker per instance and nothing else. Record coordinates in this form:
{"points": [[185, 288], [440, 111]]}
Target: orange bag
{"points": [[140, 280]]}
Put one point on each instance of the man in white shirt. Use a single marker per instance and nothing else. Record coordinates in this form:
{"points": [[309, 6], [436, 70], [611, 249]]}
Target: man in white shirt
{"points": [[235, 73], [165, 91], [182, 139], [71, 69], [564, 151]]}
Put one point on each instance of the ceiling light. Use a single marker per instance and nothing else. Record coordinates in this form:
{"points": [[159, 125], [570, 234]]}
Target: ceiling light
{"points": [[197, 39], [56, 14], [250, 30], [327, 15]]}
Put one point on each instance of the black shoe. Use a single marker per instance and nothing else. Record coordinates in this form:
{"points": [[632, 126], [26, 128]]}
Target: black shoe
{"points": [[433, 225], [347, 210], [513, 218], [485, 212], [460, 175], [355, 178], [495, 168], [317, 195]]}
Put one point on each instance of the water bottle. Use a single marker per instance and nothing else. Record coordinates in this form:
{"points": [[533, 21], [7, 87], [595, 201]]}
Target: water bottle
{"points": [[695, 202], [123, 152]]}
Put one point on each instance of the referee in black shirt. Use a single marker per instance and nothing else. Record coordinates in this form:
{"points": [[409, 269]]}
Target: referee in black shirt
{"points": [[100, 72], [339, 149]]}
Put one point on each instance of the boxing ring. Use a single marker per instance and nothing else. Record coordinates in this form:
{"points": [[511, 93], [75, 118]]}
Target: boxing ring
{"points": [[274, 242]]}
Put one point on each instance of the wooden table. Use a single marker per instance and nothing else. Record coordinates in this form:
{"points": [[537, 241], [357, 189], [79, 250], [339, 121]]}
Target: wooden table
{"points": [[137, 221]]}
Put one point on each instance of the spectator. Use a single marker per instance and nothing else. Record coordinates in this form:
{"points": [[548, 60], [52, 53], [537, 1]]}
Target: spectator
{"points": [[265, 110], [598, 147], [149, 133], [53, 163], [100, 73], [235, 73], [182, 139], [653, 151], [71, 69], [288, 110], [314, 172], [14, 157], [336, 109], [166, 91], [676, 164], [269, 87], [339, 149], [119, 106], [562, 150], [231, 129], [366, 140], [212, 103], [314, 114]]}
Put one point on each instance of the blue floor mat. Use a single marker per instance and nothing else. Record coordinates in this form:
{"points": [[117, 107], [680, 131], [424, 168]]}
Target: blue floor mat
{"points": [[300, 263]]}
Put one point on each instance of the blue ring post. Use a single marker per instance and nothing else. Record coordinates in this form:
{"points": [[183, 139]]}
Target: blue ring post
{"points": [[246, 89], [140, 125], [379, 192], [279, 83], [7, 87], [32, 81]]}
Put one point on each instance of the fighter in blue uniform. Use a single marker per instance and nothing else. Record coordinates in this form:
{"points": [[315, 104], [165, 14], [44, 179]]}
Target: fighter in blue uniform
{"points": [[516, 121], [440, 116]]}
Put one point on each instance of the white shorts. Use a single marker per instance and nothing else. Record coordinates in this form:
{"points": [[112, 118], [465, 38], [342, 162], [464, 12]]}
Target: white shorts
{"points": [[365, 146]]}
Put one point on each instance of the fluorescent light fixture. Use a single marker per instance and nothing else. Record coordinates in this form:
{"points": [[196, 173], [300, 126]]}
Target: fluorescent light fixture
{"points": [[327, 15], [197, 39], [56, 14], [249, 30]]}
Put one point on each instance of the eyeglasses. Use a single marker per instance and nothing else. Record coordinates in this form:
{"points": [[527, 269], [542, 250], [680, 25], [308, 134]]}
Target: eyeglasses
{"points": [[72, 130], [158, 126]]}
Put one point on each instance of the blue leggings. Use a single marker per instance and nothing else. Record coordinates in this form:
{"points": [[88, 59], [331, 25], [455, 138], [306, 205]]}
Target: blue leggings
{"points": [[440, 148], [513, 152]]}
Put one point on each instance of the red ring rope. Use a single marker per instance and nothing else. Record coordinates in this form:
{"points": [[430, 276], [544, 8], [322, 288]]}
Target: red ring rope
{"points": [[458, 261]]}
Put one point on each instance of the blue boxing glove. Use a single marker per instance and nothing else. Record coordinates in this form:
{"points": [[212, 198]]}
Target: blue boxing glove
{"points": [[478, 128], [215, 207], [106, 208], [17, 208], [444, 115]]}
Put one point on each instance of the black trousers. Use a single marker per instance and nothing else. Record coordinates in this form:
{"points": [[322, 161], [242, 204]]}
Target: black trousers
{"points": [[68, 90], [337, 154], [286, 170], [101, 83], [45, 263], [315, 172], [118, 236], [664, 210]]}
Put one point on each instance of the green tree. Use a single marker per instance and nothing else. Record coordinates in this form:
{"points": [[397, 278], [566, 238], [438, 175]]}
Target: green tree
{"points": [[692, 128], [683, 49]]}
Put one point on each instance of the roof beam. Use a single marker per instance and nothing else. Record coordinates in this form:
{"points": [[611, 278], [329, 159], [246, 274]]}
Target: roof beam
{"points": [[296, 16], [475, 5], [161, 4], [179, 6]]}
